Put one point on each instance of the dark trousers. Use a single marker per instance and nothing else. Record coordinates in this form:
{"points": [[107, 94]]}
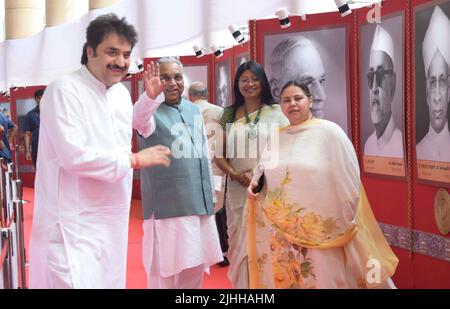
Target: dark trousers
{"points": [[221, 222]]}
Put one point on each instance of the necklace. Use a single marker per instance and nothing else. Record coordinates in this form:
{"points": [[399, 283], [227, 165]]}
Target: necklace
{"points": [[253, 130]]}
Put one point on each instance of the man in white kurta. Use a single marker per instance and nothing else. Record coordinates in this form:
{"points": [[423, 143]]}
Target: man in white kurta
{"points": [[389, 144], [180, 236], [84, 171], [435, 146], [387, 139]]}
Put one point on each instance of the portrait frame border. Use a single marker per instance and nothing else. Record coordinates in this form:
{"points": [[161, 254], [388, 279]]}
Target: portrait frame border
{"points": [[415, 6], [390, 9], [228, 55], [260, 28]]}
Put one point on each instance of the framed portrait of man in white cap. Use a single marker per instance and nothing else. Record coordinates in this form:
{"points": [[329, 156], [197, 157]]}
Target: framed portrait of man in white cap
{"points": [[315, 52], [432, 91], [381, 96]]}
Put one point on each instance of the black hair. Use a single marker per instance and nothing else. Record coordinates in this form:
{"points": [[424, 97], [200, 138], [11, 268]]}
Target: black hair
{"points": [[257, 69], [39, 93], [298, 84], [103, 25]]}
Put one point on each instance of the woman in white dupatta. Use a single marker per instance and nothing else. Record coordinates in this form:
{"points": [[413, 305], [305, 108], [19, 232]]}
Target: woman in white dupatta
{"points": [[248, 124], [312, 226]]}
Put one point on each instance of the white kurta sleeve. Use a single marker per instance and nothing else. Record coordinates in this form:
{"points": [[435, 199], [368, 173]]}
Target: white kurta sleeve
{"points": [[64, 124], [206, 153], [143, 111]]}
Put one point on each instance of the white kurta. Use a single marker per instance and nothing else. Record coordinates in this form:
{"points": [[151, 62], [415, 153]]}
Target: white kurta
{"points": [[435, 147], [83, 185], [389, 145], [174, 244], [211, 117]]}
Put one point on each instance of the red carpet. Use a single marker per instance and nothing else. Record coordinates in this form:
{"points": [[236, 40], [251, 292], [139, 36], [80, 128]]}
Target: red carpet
{"points": [[136, 278]]}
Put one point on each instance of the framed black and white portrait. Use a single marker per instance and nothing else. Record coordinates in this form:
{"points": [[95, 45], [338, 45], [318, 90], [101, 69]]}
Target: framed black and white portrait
{"points": [[382, 106]]}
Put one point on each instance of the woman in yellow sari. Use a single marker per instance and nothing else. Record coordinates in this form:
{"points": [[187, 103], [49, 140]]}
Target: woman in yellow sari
{"points": [[248, 125], [312, 226]]}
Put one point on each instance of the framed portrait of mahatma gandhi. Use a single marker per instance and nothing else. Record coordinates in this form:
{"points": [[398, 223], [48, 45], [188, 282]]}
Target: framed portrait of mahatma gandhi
{"points": [[432, 90], [381, 95], [314, 51], [241, 54], [223, 78]]}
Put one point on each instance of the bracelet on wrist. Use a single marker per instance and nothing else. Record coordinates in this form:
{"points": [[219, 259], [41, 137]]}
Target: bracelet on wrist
{"points": [[137, 160], [132, 161]]}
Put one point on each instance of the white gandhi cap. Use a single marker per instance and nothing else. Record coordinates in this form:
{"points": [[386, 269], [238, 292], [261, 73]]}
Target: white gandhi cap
{"points": [[437, 38], [382, 41]]}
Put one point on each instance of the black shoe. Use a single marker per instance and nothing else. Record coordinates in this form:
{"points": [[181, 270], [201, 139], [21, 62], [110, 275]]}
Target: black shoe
{"points": [[224, 263]]}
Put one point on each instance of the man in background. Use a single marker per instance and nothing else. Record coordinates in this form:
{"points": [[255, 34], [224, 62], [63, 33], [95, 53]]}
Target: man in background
{"points": [[198, 94], [7, 132], [31, 129]]}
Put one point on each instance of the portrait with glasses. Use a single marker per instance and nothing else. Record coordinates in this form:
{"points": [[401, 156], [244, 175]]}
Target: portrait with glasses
{"points": [[318, 59], [432, 90], [381, 97]]}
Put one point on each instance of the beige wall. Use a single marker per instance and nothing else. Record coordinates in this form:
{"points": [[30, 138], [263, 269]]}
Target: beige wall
{"points": [[62, 11], [97, 4], [23, 18]]}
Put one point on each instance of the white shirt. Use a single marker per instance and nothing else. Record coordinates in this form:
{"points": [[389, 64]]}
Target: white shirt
{"points": [[211, 116], [389, 145], [83, 183], [434, 146]]}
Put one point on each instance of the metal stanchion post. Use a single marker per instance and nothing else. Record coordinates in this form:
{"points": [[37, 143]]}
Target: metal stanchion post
{"points": [[9, 198], [4, 228], [21, 255], [16, 161]]}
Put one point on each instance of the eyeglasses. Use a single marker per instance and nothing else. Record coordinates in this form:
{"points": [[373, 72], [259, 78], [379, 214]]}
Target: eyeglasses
{"points": [[248, 80], [168, 78], [379, 74]]}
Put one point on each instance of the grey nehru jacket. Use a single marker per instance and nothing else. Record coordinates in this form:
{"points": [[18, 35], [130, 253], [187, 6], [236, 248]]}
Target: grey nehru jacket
{"points": [[183, 189]]}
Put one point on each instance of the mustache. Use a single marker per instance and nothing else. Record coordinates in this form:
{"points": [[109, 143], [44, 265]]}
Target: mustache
{"points": [[116, 67]]}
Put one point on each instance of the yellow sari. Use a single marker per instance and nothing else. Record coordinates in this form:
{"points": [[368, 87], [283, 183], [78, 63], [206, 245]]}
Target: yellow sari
{"points": [[243, 155], [313, 226]]}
